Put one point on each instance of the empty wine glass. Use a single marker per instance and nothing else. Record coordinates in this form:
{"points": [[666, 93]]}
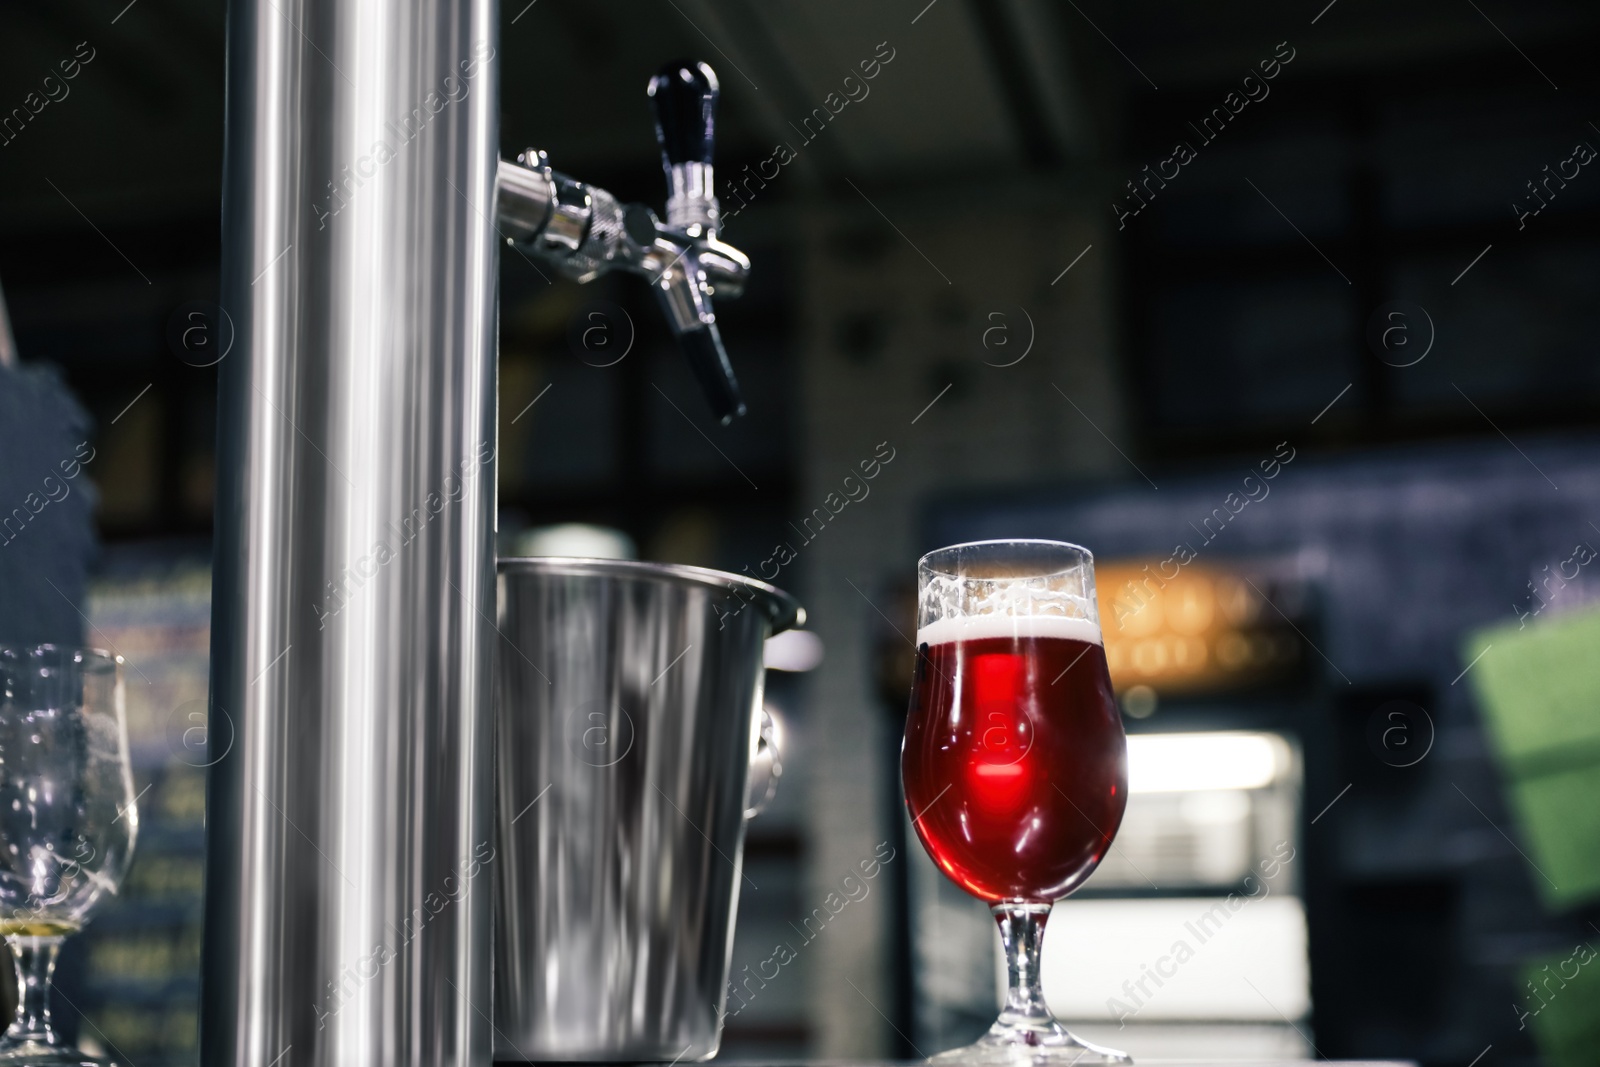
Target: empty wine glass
{"points": [[67, 821]]}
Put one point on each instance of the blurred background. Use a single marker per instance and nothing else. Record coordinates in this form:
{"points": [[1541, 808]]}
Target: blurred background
{"points": [[1257, 301]]}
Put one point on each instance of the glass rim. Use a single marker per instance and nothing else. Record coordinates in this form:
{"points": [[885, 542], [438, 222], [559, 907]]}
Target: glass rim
{"points": [[926, 562], [85, 656]]}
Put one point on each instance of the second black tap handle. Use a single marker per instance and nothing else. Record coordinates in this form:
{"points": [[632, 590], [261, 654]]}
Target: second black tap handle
{"points": [[685, 97]]}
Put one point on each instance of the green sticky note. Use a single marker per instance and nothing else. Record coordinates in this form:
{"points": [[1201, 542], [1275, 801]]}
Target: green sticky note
{"points": [[1559, 999], [1539, 689], [1559, 815]]}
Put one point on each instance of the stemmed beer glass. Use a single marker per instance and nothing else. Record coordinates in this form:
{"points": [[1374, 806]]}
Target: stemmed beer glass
{"points": [[67, 821], [1015, 764]]}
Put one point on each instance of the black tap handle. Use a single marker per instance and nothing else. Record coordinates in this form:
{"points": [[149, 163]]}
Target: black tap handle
{"points": [[685, 98], [709, 361]]}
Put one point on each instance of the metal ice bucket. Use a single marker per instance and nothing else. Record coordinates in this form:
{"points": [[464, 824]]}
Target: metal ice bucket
{"points": [[627, 718]]}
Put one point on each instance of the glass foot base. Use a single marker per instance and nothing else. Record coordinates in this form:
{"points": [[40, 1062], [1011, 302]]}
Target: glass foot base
{"points": [[1044, 1045]]}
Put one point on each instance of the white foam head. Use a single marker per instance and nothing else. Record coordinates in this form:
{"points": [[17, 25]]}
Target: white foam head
{"points": [[980, 627], [975, 605]]}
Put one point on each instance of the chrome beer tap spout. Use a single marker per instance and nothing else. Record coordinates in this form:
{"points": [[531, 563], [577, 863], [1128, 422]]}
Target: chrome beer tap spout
{"points": [[584, 232]]}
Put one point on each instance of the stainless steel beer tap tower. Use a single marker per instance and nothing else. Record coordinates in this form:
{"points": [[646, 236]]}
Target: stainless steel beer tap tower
{"points": [[349, 811]]}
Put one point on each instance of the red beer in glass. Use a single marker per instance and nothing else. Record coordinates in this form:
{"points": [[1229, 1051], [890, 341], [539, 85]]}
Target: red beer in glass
{"points": [[1014, 763], [1014, 755]]}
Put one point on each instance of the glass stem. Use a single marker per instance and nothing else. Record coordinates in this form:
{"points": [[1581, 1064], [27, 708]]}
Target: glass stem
{"points": [[1022, 936], [36, 962]]}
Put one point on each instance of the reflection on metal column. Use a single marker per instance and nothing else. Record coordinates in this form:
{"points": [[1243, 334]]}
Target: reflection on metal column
{"points": [[348, 902]]}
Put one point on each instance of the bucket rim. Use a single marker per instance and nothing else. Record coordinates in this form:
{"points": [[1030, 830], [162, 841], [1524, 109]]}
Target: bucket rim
{"points": [[782, 609]]}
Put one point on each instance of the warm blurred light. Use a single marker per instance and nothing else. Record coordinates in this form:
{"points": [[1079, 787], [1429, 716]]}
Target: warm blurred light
{"points": [[1179, 763], [794, 650], [575, 539], [1140, 701], [1189, 628]]}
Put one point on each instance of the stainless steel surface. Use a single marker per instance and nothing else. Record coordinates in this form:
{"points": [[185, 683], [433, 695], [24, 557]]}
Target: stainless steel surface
{"points": [[575, 227], [527, 189], [625, 736], [682, 295], [766, 766], [347, 904], [570, 213], [691, 200]]}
